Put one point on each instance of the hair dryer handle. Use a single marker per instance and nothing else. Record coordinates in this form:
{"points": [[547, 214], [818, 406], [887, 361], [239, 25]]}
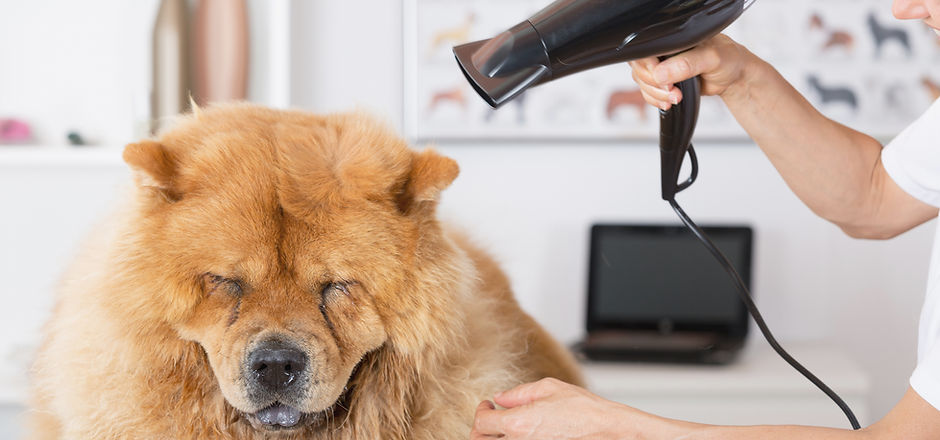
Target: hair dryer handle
{"points": [[676, 127]]}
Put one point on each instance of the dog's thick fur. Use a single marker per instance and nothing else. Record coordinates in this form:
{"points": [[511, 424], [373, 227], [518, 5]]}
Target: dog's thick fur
{"points": [[248, 222]]}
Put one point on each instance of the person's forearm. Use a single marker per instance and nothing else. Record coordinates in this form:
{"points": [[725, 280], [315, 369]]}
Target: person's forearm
{"points": [[661, 428], [913, 418], [828, 166], [774, 432]]}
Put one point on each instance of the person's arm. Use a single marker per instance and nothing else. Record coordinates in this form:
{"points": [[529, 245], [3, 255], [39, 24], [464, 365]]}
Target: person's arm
{"points": [[835, 170], [553, 409], [911, 419]]}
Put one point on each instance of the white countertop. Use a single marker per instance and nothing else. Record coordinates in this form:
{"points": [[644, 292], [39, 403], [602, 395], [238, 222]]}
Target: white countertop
{"points": [[757, 369], [758, 388]]}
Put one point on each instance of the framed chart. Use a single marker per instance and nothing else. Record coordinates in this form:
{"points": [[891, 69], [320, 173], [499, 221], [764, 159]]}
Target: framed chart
{"points": [[851, 58]]}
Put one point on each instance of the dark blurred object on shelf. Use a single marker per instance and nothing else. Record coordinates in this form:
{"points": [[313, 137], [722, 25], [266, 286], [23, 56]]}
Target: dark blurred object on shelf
{"points": [[14, 131], [75, 138]]}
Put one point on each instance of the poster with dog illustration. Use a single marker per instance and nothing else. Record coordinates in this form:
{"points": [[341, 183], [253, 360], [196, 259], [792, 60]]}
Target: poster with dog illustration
{"points": [[851, 59]]}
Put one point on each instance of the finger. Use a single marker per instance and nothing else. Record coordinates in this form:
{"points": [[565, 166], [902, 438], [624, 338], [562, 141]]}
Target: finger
{"points": [[488, 420], [672, 97], [485, 405], [528, 392], [647, 63], [662, 105], [657, 93], [645, 76], [676, 95], [476, 435], [684, 66]]}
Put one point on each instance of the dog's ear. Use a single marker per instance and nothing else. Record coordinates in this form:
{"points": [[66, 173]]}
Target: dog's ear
{"points": [[154, 167], [430, 173]]}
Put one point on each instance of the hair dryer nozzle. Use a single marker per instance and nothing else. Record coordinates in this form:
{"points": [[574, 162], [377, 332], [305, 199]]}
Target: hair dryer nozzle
{"points": [[570, 36], [504, 66]]}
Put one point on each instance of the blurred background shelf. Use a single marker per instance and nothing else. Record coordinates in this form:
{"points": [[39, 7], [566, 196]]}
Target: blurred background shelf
{"points": [[60, 156]]}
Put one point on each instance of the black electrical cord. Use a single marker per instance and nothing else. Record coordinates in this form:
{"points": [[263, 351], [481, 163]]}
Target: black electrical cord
{"points": [[748, 301]]}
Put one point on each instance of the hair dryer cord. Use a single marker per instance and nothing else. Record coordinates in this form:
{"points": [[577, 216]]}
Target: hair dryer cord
{"points": [[748, 301], [694, 174]]}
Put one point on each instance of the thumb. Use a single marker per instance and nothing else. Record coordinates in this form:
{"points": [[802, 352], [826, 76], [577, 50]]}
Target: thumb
{"points": [[525, 393]]}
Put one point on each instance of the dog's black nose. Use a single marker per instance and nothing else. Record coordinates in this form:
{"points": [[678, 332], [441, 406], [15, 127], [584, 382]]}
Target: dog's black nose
{"points": [[276, 366]]}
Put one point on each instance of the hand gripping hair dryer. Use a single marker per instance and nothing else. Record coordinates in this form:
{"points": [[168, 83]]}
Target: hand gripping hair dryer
{"points": [[570, 36]]}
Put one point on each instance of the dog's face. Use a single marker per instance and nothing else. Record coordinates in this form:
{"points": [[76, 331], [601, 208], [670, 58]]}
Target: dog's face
{"points": [[288, 313], [288, 241]]}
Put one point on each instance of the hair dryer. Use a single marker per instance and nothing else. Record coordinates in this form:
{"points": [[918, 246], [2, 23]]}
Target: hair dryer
{"points": [[569, 36]]}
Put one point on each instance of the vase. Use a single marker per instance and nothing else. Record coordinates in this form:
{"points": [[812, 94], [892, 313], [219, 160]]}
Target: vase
{"points": [[220, 51], [170, 93]]}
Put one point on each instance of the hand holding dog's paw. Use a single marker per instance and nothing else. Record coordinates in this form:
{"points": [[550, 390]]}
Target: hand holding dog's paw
{"points": [[552, 409]]}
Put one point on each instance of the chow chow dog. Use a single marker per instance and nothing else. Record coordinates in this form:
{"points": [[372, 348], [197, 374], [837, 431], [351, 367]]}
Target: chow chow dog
{"points": [[280, 274]]}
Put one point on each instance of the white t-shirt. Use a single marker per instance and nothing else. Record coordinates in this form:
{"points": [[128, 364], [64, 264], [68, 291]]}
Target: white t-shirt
{"points": [[913, 161]]}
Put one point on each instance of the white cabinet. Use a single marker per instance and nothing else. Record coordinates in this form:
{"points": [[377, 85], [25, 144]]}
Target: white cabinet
{"points": [[759, 388]]}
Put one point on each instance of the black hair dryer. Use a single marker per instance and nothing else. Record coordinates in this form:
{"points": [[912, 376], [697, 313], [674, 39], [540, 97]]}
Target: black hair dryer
{"points": [[569, 36]]}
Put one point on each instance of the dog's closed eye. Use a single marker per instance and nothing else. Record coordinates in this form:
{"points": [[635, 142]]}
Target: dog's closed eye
{"points": [[335, 287], [217, 283]]}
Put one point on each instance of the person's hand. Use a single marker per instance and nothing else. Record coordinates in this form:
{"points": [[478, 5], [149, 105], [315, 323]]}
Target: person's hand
{"points": [[552, 409], [720, 61]]}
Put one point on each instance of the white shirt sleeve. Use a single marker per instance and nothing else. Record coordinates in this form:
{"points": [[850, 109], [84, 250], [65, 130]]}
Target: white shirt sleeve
{"points": [[926, 377], [912, 159]]}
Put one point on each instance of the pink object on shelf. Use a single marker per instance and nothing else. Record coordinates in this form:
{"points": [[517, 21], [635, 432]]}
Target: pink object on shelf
{"points": [[14, 131], [220, 51]]}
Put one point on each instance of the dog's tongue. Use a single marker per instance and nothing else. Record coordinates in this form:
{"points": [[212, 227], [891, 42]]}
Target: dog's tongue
{"points": [[279, 414]]}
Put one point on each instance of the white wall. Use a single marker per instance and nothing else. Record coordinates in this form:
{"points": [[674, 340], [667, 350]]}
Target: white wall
{"points": [[530, 204]]}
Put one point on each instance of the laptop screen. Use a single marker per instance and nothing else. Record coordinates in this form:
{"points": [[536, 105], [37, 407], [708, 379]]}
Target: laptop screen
{"points": [[662, 278]]}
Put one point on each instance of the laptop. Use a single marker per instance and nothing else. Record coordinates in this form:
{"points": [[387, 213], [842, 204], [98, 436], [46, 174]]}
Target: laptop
{"points": [[655, 293]]}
